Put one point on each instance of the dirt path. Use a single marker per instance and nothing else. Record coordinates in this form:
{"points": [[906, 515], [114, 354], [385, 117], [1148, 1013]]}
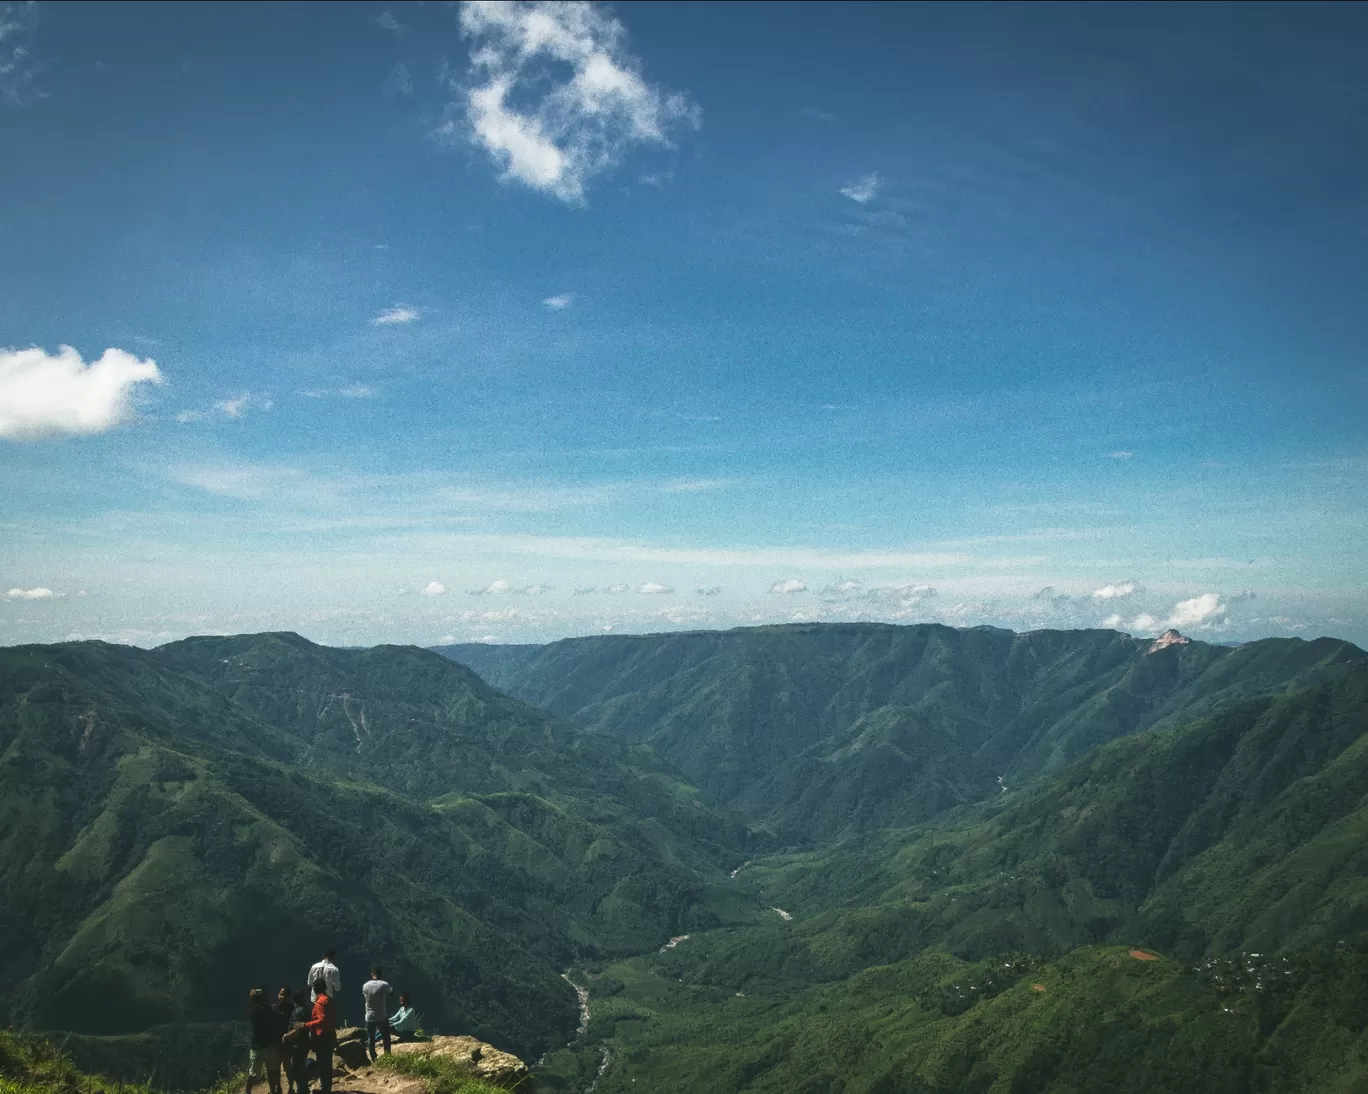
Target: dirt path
{"points": [[375, 1080]]}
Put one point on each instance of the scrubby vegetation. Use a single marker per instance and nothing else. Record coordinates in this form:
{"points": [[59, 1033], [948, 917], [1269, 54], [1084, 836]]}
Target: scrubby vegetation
{"points": [[439, 1074]]}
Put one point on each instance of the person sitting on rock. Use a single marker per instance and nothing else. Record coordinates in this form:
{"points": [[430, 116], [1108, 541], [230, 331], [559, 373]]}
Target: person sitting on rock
{"points": [[376, 993], [266, 1031], [403, 1022]]}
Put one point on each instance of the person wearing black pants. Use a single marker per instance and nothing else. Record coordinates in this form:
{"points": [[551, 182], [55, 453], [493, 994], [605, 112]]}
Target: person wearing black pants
{"points": [[297, 1047], [322, 1029]]}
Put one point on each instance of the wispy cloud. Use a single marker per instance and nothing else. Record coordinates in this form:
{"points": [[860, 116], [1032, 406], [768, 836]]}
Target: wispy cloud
{"points": [[396, 316], [559, 303], [711, 590], [434, 588], [350, 391], [864, 189], [47, 395], [389, 22], [1121, 454], [789, 587], [654, 588], [398, 82], [235, 407], [17, 66], [547, 129]]}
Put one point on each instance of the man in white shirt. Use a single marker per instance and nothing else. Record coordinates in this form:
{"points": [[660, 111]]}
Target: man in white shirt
{"points": [[326, 970]]}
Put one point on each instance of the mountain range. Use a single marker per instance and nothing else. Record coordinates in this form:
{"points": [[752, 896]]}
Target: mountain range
{"points": [[847, 857], [823, 730]]}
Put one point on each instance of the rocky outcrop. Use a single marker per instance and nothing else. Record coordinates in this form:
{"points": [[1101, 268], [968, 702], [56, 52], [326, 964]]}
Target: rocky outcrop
{"points": [[483, 1061], [1168, 638]]}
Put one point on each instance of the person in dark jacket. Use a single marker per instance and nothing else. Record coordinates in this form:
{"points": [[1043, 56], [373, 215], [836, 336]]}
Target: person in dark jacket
{"points": [[296, 1055], [266, 1031]]}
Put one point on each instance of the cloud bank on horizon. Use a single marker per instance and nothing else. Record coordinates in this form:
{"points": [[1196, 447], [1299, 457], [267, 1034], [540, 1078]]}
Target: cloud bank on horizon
{"points": [[513, 348]]}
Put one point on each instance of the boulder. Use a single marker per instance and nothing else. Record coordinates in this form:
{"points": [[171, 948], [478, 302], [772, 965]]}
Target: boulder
{"points": [[351, 1048], [483, 1061]]}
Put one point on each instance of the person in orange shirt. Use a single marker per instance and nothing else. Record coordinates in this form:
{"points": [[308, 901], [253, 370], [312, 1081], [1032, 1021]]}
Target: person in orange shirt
{"points": [[322, 1030]]}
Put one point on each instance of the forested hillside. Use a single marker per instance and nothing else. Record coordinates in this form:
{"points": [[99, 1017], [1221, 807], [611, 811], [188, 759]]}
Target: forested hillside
{"points": [[184, 821], [974, 830], [831, 729], [990, 950]]}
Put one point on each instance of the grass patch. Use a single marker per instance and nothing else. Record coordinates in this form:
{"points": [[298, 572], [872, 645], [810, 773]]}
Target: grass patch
{"points": [[442, 1076], [33, 1065]]}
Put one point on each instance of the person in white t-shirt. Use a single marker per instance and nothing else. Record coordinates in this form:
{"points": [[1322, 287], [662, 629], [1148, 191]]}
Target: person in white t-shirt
{"points": [[377, 994], [326, 970]]}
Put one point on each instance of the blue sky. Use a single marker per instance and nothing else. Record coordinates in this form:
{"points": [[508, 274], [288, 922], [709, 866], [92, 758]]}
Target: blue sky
{"points": [[449, 323]]}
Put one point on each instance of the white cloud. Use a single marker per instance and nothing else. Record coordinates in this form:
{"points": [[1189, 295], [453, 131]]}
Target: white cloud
{"points": [[1121, 454], [617, 589], [654, 588], [434, 588], [789, 587], [1112, 622], [31, 594], [1116, 591], [1144, 622], [396, 316], [551, 130], [1200, 611], [864, 189], [494, 588], [42, 395], [389, 22], [356, 391], [559, 303]]}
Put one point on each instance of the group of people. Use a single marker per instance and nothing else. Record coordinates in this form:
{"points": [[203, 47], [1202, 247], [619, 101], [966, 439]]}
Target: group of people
{"points": [[284, 1032]]}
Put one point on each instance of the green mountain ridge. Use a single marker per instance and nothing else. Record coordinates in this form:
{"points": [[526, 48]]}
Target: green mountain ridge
{"points": [[1235, 845], [180, 820], [825, 730], [967, 814]]}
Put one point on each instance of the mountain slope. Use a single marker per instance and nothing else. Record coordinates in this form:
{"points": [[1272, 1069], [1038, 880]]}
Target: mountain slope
{"points": [[1235, 845], [1242, 830], [829, 729], [179, 822], [1096, 1019]]}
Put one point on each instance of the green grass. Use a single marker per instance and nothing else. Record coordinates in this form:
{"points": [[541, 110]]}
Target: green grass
{"points": [[442, 1076], [33, 1065]]}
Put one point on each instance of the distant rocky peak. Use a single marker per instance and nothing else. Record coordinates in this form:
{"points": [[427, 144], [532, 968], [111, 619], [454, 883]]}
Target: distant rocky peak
{"points": [[1169, 638]]}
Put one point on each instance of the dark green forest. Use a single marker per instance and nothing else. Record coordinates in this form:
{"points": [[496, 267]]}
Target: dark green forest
{"points": [[857, 858]]}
